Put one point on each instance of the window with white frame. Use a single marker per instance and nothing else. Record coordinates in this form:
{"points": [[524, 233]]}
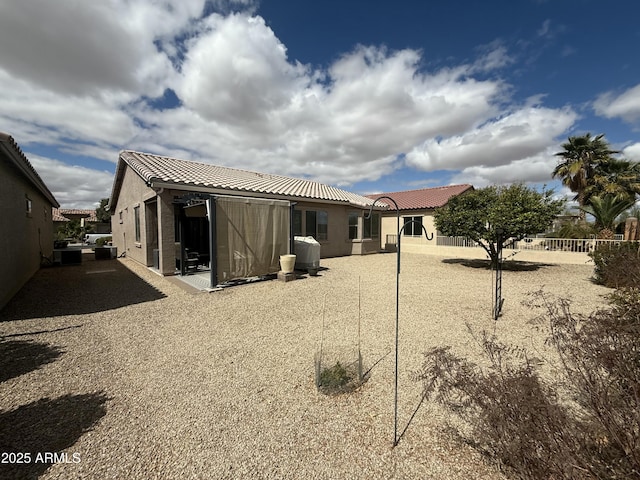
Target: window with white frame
{"points": [[370, 226], [136, 216]]}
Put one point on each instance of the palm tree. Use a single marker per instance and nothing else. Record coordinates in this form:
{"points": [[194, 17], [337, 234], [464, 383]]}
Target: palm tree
{"points": [[615, 177], [606, 210], [581, 156]]}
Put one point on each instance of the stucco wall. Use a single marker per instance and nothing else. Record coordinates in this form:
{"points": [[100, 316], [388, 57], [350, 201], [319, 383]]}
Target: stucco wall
{"points": [[390, 227], [132, 194], [22, 236], [338, 243]]}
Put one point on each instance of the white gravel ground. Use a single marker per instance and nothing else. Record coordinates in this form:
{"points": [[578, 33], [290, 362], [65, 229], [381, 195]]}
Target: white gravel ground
{"points": [[134, 377]]}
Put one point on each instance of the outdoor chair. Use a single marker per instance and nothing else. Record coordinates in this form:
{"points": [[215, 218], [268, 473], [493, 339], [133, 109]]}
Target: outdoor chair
{"points": [[191, 261]]}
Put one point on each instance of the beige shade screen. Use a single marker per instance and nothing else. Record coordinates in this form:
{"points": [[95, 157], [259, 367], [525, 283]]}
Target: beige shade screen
{"points": [[251, 234]]}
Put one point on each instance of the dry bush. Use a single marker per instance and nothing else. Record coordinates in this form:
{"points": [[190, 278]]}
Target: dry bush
{"points": [[617, 266], [582, 424]]}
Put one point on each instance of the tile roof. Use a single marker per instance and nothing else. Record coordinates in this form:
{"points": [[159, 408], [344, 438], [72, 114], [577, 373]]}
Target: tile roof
{"points": [[64, 213], [10, 150], [160, 171], [424, 198], [56, 216]]}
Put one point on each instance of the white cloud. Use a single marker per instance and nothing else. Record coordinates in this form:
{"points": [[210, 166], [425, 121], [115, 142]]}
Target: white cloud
{"points": [[625, 105], [494, 57], [244, 102], [81, 47], [342, 125], [237, 72], [544, 30], [632, 152], [72, 185], [53, 118], [498, 143], [534, 169]]}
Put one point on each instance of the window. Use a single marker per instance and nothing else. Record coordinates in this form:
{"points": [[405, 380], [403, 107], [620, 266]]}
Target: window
{"points": [[136, 215], [297, 222], [120, 216], [372, 226], [317, 223], [353, 225], [28, 204], [412, 229]]}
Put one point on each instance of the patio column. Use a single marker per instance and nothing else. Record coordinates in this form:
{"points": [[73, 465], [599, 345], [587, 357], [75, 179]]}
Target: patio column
{"points": [[166, 234]]}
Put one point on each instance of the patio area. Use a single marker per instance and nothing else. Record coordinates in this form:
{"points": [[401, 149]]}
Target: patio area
{"points": [[135, 377]]}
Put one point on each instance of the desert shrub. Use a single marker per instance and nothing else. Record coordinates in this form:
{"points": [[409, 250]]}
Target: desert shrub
{"points": [[584, 423], [340, 377], [100, 242], [334, 377], [617, 266]]}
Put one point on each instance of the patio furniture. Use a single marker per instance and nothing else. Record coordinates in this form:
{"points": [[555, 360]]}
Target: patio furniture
{"points": [[191, 261]]}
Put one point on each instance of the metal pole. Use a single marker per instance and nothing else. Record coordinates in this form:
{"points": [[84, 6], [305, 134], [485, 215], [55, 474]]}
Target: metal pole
{"points": [[399, 230], [498, 286], [395, 422], [395, 392], [395, 398]]}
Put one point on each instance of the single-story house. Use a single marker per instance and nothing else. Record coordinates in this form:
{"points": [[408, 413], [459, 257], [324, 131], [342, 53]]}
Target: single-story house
{"points": [[26, 224], [415, 207], [173, 215], [87, 218]]}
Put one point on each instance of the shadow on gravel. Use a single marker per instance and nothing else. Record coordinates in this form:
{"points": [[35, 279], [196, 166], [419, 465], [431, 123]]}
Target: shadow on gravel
{"points": [[92, 286], [47, 426], [18, 357], [510, 265], [38, 332]]}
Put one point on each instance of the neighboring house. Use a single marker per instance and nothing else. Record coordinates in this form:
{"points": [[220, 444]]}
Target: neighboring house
{"points": [[561, 220], [26, 224], [87, 218], [417, 207], [161, 209], [59, 220]]}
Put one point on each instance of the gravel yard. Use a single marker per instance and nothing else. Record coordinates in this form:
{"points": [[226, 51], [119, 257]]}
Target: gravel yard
{"points": [[133, 376]]}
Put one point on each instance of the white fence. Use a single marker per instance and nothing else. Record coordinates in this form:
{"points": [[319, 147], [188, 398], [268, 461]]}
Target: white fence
{"points": [[530, 249], [535, 243]]}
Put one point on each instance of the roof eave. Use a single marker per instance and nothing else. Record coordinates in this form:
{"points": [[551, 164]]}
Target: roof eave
{"points": [[158, 184], [18, 158]]}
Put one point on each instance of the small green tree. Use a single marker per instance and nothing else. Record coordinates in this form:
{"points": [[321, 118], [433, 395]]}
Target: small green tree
{"points": [[73, 230], [497, 216], [102, 214]]}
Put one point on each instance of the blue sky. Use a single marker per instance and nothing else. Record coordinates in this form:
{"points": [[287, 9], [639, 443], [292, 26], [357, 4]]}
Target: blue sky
{"points": [[368, 96]]}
